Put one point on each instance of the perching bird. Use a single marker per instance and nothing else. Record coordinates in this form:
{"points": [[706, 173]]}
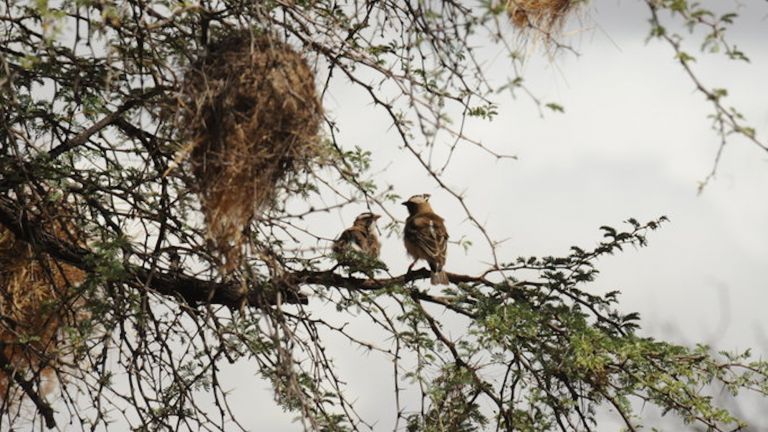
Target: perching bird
{"points": [[425, 237], [361, 237]]}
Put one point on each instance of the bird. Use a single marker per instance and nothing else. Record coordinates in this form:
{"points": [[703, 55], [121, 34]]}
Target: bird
{"points": [[360, 237], [425, 237]]}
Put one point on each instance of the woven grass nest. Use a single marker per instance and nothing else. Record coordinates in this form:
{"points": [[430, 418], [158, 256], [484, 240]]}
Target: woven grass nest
{"points": [[251, 115], [547, 16], [36, 301]]}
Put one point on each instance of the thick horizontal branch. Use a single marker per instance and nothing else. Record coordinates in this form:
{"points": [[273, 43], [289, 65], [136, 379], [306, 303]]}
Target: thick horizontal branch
{"points": [[334, 280], [284, 289], [191, 289], [200, 291], [331, 279]]}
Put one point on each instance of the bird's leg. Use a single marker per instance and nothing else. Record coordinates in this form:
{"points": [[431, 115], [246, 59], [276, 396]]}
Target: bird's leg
{"points": [[410, 267]]}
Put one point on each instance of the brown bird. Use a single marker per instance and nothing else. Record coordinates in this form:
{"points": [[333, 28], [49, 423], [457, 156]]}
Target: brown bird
{"points": [[360, 237], [425, 237]]}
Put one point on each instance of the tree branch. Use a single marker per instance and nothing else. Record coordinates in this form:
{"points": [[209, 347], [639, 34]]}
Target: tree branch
{"points": [[232, 293], [329, 278], [107, 120], [192, 290], [45, 410]]}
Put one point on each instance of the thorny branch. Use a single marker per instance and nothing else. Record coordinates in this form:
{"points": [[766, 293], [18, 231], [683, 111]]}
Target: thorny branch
{"points": [[726, 120], [28, 386], [154, 318]]}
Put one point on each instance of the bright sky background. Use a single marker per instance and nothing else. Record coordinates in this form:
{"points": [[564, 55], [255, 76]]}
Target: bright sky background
{"points": [[633, 142]]}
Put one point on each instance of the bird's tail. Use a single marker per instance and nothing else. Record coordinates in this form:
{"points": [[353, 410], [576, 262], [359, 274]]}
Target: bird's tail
{"points": [[439, 278]]}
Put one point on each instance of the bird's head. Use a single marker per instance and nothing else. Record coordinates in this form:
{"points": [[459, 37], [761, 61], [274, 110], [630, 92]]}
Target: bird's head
{"points": [[366, 219], [417, 204]]}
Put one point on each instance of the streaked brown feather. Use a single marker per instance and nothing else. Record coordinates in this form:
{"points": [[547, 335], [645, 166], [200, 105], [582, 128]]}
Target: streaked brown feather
{"points": [[360, 237], [426, 238], [351, 238]]}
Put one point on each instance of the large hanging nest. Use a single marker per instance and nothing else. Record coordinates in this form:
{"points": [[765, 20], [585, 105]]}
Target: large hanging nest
{"points": [[251, 113], [543, 16], [36, 301]]}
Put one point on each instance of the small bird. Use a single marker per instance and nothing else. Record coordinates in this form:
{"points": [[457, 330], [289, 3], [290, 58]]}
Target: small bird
{"points": [[360, 237], [425, 237]]}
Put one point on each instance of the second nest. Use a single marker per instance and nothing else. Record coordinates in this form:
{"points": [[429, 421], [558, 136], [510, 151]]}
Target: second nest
{"points": [[546, 16], [251, 111]]}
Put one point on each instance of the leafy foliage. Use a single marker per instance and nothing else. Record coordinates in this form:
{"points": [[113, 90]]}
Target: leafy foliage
{"points": [[88, 88], [712, 29]]}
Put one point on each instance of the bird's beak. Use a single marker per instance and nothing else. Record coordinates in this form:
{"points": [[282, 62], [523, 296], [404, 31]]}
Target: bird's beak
{"points": [[376, 216], [404, 203]]}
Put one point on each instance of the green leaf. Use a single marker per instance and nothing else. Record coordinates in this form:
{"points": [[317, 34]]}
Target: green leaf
{"points": [[555, 107]]}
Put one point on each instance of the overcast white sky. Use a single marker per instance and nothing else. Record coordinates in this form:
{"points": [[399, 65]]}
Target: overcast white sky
{"points": [[634, 142]]}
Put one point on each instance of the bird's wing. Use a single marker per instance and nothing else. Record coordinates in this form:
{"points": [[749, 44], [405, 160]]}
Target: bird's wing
{"points": [[428, 233], [351, 239]]}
